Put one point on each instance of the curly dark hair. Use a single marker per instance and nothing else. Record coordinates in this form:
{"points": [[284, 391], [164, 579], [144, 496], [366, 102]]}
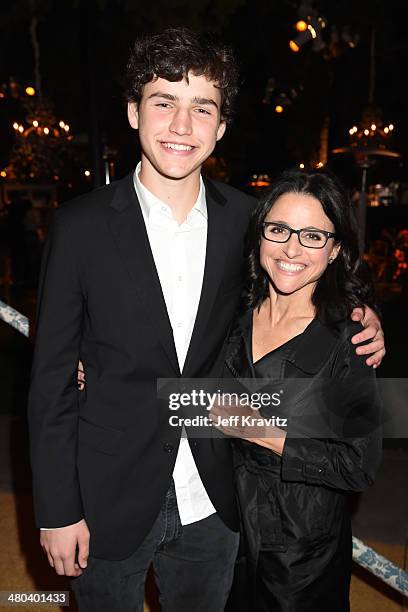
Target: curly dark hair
{"points": [[175, 52], [346, 283]]}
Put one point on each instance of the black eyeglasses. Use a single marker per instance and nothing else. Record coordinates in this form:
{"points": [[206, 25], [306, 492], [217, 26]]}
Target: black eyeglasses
{"points": [[310, 238]]}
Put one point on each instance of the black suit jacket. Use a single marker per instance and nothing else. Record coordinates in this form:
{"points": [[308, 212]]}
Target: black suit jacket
{"points": [[107, 454]]}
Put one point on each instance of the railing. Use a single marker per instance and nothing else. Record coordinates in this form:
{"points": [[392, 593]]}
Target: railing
{"points": [[381, 567], [14, 318]]}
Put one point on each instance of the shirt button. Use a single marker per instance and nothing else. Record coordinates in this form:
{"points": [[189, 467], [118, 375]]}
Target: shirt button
{"points": [[167, 447]]}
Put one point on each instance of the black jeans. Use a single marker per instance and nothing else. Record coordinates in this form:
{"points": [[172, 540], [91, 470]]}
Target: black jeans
{"points": [[193, 567]]}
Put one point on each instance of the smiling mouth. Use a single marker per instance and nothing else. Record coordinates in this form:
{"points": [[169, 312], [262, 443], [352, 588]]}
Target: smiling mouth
{"points": [[177, 147], [289, 267]]}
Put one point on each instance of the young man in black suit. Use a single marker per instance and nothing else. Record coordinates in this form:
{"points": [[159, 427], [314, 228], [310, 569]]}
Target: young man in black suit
{"points": [[140, 281]]}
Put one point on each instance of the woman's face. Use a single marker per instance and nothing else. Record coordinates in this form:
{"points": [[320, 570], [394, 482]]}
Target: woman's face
{"points": [[289, 265]]}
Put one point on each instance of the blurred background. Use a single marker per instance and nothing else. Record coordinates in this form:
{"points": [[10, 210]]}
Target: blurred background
{"points": [[322, 85]]}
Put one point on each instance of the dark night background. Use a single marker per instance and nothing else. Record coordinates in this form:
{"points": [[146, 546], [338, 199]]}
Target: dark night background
{"points": [[84, 47]]}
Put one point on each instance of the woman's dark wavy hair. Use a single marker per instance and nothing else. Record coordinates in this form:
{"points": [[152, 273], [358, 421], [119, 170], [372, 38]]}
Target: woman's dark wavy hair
{"points": [[175, 52], [346, 283]]}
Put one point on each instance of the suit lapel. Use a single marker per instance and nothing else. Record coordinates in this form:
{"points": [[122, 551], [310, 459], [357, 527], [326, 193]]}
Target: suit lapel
{"points": [[128, 229], [216, 251]]}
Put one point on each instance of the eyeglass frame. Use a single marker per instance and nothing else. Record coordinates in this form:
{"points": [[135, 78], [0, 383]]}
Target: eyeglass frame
{"points": [[294, 231]]}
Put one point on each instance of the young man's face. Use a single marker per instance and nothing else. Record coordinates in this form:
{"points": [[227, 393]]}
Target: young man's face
{"points": [[179, 124]]}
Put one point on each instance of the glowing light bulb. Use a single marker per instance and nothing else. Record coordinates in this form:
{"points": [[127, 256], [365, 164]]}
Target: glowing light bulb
{"points": [[35, 123], [373, 127], [87, 173], [295, 48], [386, 130], [366, 132], [46, 130], [3, 173], [15, 125], [391, 127], [62, 124], [278, 108], [302, 166], [30, 91], [301, 25], [20, 129], [312, 30]]}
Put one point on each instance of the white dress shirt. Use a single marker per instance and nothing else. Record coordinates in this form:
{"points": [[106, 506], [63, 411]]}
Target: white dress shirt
{"points": [[179, 255]]}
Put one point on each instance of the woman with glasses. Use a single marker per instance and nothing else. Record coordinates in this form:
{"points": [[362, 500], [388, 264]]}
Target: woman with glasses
{"points": [[304, 278]]}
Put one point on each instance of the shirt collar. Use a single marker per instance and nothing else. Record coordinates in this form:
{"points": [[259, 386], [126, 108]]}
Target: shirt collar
{"points": [[149, 202]]}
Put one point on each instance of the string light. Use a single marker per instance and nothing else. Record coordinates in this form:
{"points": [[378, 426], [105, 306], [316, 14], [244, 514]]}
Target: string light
{"points": [[373, 130], [37, 151], [46, 130], [260, 181]]}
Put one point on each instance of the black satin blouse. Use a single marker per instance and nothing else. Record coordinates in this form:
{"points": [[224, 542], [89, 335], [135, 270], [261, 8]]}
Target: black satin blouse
{"points": [[294, 509]]}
